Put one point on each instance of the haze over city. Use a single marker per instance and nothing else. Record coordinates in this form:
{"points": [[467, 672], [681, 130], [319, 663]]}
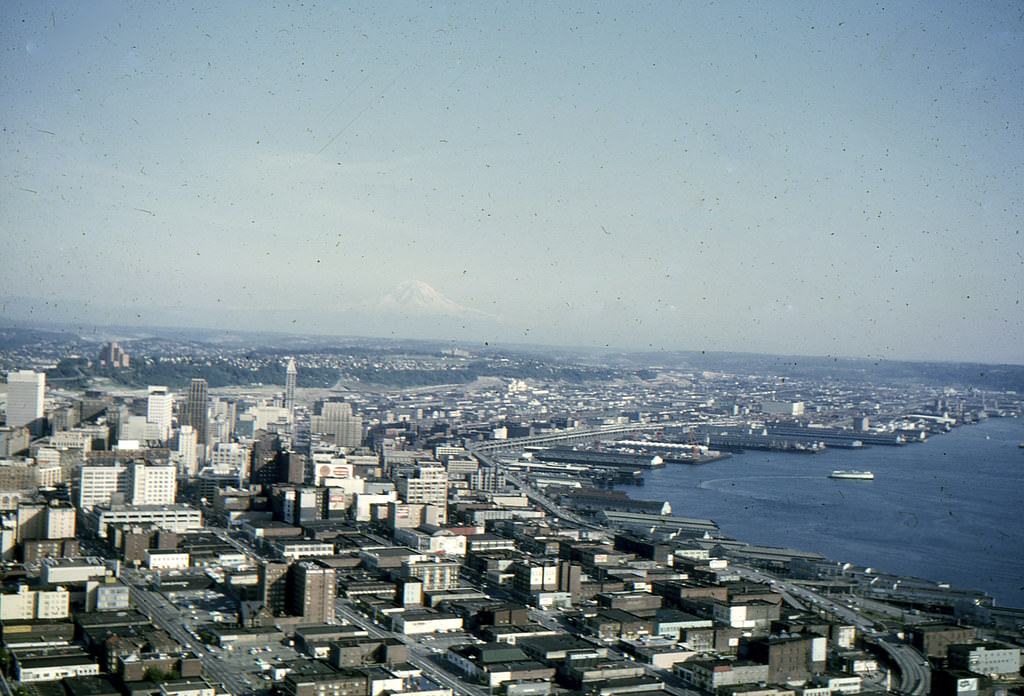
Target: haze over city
{"points": [[807, 178]]}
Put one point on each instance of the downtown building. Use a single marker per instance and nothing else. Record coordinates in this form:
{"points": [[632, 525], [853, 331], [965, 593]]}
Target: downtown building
{"points": [[337, 420], [303, 588], [291, 377], [186, 456], [427, 485], [131, 484], [312, 592], [196, 412], [25, 393], [159, 412]]}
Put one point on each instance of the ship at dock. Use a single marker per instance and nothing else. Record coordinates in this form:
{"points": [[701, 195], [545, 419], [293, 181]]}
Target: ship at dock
{"points": [[852, 474]]}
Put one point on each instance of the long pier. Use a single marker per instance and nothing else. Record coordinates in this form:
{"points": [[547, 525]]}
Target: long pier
{"points": [[562, 437]]}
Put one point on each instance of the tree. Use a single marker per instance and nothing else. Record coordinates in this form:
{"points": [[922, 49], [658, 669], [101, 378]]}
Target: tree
{"points": [[158, 674]]}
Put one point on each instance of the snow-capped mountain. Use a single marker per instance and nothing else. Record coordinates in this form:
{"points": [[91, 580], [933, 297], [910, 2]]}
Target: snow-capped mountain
{"points": [[416, 298]]}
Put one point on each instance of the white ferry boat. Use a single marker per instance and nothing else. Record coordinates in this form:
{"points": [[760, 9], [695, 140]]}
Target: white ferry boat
{"points": [[851, 474]]}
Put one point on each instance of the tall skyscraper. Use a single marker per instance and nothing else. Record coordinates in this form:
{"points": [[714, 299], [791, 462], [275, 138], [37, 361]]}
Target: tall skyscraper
{"points": [[25, 392], [196, 407], [291, 375], [160, 410], [187, 459]]}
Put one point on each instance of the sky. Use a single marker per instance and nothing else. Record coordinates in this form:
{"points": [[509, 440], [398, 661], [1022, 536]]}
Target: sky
{"points": [[803, 178]]}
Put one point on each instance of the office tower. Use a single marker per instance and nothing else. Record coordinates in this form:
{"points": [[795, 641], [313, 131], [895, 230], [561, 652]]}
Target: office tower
{"points": [[159, 410], [424, 484], [60, 521], [263, 470], [297, 505], [112, 355], [313, 591], [196, 406], [273, 587], [136, 484], [39, 520], [30, 520], [336, 418], [152, 485], [96, 485], [65, 418], [291, 467], [187, 459], [25, 392], [291, 375]]}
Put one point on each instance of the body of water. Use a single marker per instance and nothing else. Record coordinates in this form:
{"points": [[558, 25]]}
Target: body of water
{"points": [[949, 509]]}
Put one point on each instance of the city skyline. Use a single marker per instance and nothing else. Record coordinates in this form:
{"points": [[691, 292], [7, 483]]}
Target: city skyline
{"points": [[828, 180]]}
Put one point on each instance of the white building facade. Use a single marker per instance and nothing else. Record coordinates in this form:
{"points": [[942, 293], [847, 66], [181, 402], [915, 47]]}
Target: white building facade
{"points": [[25, 392]]}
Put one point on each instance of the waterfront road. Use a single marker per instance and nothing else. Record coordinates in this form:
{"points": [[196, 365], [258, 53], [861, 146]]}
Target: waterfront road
{"points": [[534, 494], [915, 674]]}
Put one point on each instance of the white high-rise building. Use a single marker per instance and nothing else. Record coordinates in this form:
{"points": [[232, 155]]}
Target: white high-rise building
{"points": [[96, 484], [60, 522], [291, 375], [25, 392], [139, 484], [160, 410], [187, 458], [153, 485]]}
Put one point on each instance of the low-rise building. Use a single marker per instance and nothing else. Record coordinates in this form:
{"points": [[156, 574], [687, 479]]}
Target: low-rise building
{"points": [[167, 560], [755, 615], [660, 653], [840, 683], [66, 571], [790, 657], [434, 573], [586, 674], [424, 621], [107, 596], [174, 518], [310, 677], [712, 675], [985, 658], [496, 664], [933, 640], [293, 550], [435, 542], [45, 669]]}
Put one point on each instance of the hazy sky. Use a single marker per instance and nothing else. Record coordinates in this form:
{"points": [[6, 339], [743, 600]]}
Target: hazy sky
{"points": [[809, 178]]}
